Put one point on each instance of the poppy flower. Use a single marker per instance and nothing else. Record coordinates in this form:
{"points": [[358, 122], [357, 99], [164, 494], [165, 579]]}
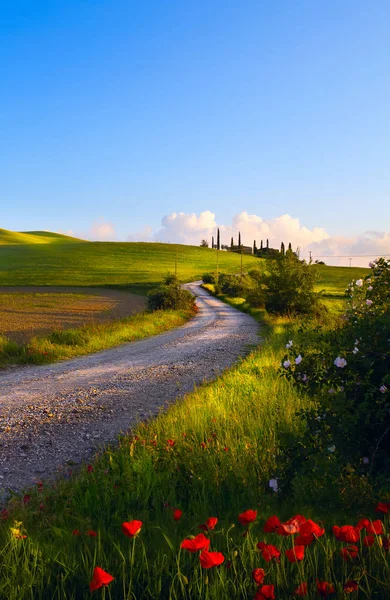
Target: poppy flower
{"points": [[247, 517], [209, 524], [386, 543], [266, 592], [268, 551], [26, 499], [349, 552], [346, 533], [171, 443], [375, 527], [296, 554], [91, 533], [301, 589], [288, 528], [324, 588], [383, 507], [258, 576], [131, 529], [311, 527], [76, 532], [99, 579], [304, 539], [210, 559], [350, 586], [177, 514], [4, 514], [199, 542], [271, 524], [89, 468], [369, 540]]}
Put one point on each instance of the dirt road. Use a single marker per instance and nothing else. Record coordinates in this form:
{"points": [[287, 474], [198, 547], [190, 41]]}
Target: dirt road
{"points": [[56, 415]]}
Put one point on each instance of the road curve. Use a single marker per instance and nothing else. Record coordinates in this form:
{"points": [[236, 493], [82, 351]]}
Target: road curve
{"points": [[56, 415]]}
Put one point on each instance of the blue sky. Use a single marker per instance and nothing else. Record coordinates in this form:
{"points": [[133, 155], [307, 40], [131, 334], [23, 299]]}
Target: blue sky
{"points": [[127, 111]]}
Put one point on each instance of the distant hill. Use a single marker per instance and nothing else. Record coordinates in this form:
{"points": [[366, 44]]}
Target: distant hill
{"points": [[34, 237]]}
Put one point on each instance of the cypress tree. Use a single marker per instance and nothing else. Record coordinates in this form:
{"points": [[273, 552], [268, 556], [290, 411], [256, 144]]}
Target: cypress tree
{"points": [[239, 239], [254, 247], [282, 249], [267, 243], [289, 246], [212, 241], [218, 240], [231, 243], [261, 244]]}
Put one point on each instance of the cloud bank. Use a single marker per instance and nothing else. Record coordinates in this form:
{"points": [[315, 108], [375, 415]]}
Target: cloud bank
{"points": [[190, 228]]}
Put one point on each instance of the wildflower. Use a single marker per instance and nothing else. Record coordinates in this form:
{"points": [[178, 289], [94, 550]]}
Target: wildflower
{"points": [[355, 350], [349, 552], [291, 526], [383, 389], [76, 532], [171, 443], [298, 359], [272, 524], [346, 533], [91, 533], [383, 507], [369, 302], [311, 527], [324, 588], [266, 592], [273, 483], [131, 528], [304, 539], [247, 517], [301, 589], [4, 514], [209, 524], [368, 540], [331, 391], [199, 542], [371, 265], [210, 559], [372, 527], [331, 448], [350, 586], [370, 288], [26, 499], [268, 551], [366, 460], [286, 364], [304, 378], [177, 514], [296, 554], [99, 579], [258, 576], [89, 468], [340, 362], [289, 344]]}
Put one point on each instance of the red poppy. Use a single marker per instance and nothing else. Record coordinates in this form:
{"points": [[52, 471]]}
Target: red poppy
{"points": [[268, 551], [271, 524], [383, 507], [39, 485], [171, 443], [26, 499], [199, 542], [304, 539], [311, 527], [91, 533], [324, 588], [99, 579], [210, 559], [301, 590], [247, 517], [300, 518], [131, 529], [346, 533], [258, 576], [350, 586], [89, 468], [369, 540], [288, 528], [373, 527], [386, 543], [4, 514], [349, 552], [266, 592], [209, 524], [76, 532], [177, 514], [296, 554]]}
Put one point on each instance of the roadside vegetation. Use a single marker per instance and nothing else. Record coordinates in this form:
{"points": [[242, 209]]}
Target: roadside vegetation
{"points": [[216, 497]]}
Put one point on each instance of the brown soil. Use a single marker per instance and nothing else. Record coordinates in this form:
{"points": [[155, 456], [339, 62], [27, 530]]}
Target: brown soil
{"points": [[26, 312]]}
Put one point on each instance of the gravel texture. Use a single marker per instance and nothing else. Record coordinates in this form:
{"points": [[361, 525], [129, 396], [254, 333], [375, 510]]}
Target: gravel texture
{"points": [[59, 415]]}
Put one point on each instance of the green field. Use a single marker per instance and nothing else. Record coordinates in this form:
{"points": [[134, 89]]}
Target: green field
{"points": [[135, 266]]}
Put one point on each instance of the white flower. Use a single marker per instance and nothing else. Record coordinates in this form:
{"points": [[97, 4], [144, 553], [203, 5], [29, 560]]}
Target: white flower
{"points": [[298, 359], [355, 350], [331, 391], [371, 264], [332, 448], [273, 483], [359, 282], [368, 280], [340, 362], [289, 344], [370, 288], [368, 302], [286, 364], [357, 342], [383, 389]]}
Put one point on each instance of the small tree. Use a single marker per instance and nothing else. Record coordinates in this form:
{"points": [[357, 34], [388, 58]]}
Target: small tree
{"points": [[267, 243], [282, 249], [204, 244], [261, 244], [212, 242], [218, 240], [254, 247], [239, 239], [231, 243]]}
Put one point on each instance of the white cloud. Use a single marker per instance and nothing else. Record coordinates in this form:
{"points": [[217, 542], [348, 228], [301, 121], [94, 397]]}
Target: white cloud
{"points": [[190, 228], [101, 231], [144, 235]]}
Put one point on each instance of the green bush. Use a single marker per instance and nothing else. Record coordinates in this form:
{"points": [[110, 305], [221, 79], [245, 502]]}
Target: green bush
{"points": [[235, 286], [171, 296], [208, 278]]}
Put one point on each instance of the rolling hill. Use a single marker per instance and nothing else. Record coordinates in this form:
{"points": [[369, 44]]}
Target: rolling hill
{"points": [[34, 237]]}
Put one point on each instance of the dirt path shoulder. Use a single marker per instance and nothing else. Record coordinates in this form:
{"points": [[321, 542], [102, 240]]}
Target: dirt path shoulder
{"points": [[51, 416]]}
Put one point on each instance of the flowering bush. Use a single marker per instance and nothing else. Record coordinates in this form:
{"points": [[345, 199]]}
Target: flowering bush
{"points": [[348, 373]]}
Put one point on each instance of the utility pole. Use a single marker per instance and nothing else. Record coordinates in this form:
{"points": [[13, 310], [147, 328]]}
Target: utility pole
{"points": [[350, 262], [176, 262], [241, 261], [217, 277]]}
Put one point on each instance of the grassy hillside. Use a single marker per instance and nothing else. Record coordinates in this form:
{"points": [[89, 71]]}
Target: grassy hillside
{"points": [[33, 237], [44, 258]]}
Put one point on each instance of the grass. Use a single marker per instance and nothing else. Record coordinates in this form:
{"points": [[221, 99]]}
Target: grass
{"points": [[34, 237], [69, 343]]}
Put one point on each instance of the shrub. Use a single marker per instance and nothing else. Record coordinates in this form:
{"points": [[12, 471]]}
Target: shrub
{"points": [[208, 278], [234, 285], [290, 286], [170, 297]]}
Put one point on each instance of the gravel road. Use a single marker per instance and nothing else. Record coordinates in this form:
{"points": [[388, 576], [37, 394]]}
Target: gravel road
{"points": [[61, 414]]}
